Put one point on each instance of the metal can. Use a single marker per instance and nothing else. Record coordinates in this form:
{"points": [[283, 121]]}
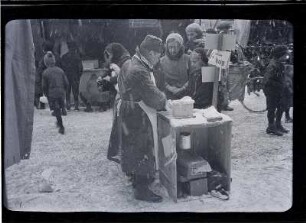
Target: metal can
{"points": [[185, 140]]}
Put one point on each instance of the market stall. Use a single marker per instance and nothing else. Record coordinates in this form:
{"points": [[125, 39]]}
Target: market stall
{"points": [[209, 140]]}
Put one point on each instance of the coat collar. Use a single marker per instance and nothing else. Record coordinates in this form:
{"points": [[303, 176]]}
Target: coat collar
{"points": [[143, 60]]}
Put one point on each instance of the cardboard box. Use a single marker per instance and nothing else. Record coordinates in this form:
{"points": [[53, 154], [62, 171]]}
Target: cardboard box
{"points": [[196, 187], [191, 166], [212, 41], [228, 42]]}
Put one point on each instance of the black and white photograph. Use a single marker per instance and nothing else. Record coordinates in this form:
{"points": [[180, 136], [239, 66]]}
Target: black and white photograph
{"points": [[148, 115]]}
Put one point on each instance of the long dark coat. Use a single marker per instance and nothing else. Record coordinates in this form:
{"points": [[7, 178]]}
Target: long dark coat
{"points": [[136, 85], [275, 84]]}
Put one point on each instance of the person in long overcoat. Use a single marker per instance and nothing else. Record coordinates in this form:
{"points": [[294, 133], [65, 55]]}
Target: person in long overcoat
{"points": [[275, 91], [140, 97], [115, 54]]}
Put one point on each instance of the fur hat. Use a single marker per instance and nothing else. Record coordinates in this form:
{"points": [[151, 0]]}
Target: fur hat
{"points": [[176, 37], [195, 27], [49, 59], [152, 43]]}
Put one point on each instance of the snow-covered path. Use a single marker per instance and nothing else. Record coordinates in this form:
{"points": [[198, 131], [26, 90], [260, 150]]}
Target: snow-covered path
{"points": [[84, 180]]}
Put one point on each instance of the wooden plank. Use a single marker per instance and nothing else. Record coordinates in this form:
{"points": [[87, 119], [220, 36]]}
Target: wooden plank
{"points": [[216, 85], [219, 155]]}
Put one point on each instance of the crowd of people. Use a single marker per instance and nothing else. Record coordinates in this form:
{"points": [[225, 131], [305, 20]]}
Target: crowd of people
{"points": [[144, 83]]}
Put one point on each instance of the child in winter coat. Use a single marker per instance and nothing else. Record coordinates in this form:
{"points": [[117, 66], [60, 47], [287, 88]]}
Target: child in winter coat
{"points": [[275, 91], [200, 92], [195, 37], [54, 84]]}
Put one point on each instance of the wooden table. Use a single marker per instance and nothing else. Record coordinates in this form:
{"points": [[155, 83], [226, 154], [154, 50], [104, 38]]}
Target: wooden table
{"points": [[211, 140]]}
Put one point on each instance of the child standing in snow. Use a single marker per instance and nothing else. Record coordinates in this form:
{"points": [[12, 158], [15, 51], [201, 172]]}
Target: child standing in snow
{"points": [[54, 83]]}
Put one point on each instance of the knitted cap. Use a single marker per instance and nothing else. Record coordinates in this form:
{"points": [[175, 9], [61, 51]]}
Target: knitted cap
{"points": [[279, 51], [176, 37], [194, 27], [49, 59], [152, 43]]}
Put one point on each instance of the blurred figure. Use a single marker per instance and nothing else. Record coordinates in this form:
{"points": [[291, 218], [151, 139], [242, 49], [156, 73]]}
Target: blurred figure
{"points": [[275, 91], [54, 83], [71, 63], [288, 92], [175, 66]]}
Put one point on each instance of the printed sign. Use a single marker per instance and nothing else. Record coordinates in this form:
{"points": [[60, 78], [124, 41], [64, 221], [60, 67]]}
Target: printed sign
{"points": [[219, 58]]}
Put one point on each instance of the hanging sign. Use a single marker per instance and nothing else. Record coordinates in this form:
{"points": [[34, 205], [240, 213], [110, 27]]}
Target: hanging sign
{"points": [[220, 58]]}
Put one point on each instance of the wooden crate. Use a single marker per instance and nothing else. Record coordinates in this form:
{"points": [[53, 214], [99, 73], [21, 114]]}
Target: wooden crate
{"points": [[211, 140]]}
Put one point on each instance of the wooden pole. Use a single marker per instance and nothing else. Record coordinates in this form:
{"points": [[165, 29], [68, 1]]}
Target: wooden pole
{"points": [[216, 85]]}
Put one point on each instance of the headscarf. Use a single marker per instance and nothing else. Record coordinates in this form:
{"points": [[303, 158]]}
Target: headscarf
{"points": [[178, 38], [120, 54]]}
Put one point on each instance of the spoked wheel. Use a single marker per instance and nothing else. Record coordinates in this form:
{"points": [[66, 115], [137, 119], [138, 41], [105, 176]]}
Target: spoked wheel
{"points": [[255, 100]]}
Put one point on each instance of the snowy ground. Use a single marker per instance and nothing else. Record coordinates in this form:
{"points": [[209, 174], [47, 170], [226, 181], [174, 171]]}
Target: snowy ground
{"points": [[82, 179]]}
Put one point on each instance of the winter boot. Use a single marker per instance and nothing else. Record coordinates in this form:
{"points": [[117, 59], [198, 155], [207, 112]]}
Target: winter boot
{"points": [[228, 108], [64, 112], [273, 130], [142, 191], [68, 106], [281, 128], [88, 109], [76, 106], [61, 130]]}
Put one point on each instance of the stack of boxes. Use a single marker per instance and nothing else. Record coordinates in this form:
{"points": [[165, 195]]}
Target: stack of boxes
{"points": [[192, 169]]}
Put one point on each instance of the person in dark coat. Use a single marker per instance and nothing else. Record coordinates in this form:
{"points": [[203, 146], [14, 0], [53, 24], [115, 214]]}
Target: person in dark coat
{"points": [[47, 46], [71, 63], [200, 92], [139, 94], [175, 66], [275, 90], [54, 83], [194, 33], [289, 92], [115, 54]]}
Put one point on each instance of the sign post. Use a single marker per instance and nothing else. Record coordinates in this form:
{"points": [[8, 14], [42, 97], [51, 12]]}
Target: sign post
{"points": [[220, 59], [220, 44]]}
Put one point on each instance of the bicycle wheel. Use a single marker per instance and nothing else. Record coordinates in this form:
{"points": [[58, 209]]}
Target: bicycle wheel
{"points": [[255, 100]]}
